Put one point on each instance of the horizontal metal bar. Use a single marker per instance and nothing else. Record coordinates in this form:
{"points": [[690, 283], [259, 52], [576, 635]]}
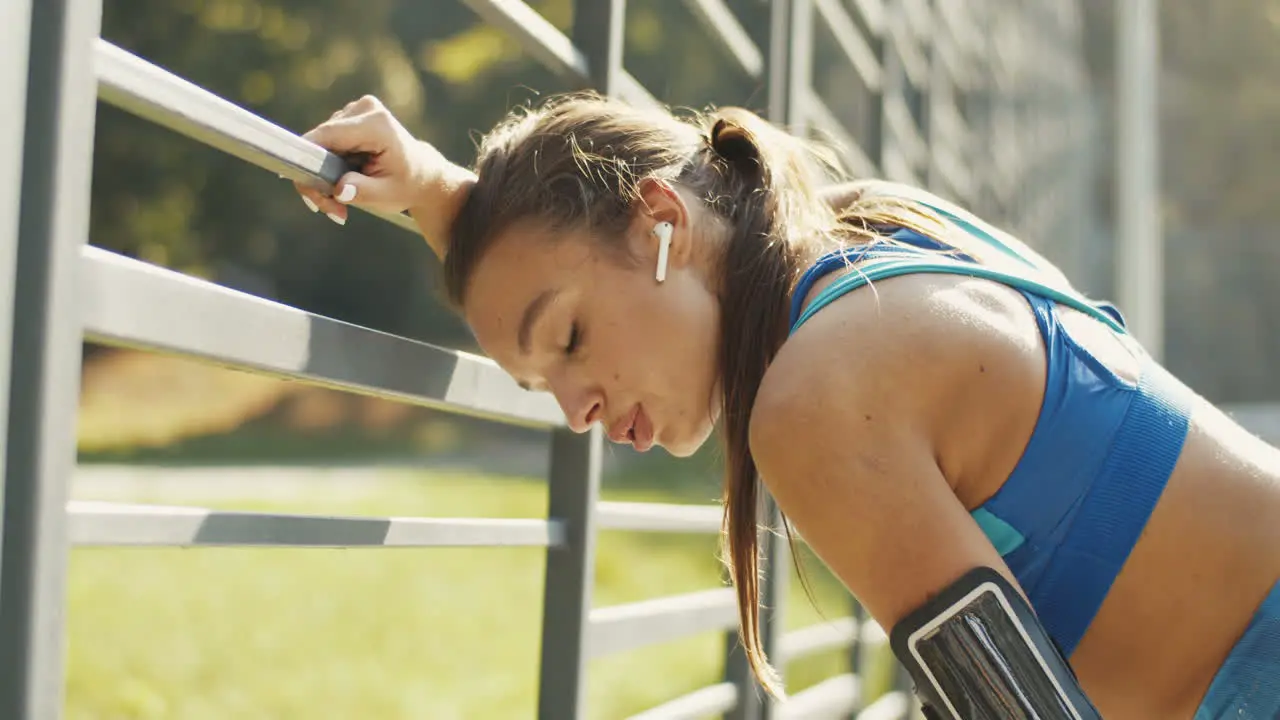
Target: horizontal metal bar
{"points": [[903, 125], [630, 90], [708, 701], [896, 166], [627, 627], [855, 46], [117, 524], [952, 171], [833, 697], [872, 636], [550, 47], [542, 40], [893, 705], [872, 12], [719, 20], [959, 24], [822, 119], [659, 517], [918, 17], [948, 123], [910, 52], [155, 94], [129, 303], [957, 65], [818, 638]]}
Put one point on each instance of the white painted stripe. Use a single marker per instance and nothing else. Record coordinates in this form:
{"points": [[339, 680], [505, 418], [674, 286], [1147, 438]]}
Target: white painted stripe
{"points": [[659, 517], [832, 698], [713, 700], [627, 627]]}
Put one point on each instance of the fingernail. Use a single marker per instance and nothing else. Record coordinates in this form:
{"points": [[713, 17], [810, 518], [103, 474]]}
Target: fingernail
{"points": [[310, 205], [337, 218], [347, 194]]}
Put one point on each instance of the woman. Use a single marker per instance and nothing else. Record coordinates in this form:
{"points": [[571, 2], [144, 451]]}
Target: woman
{"points": [[966, 409]]}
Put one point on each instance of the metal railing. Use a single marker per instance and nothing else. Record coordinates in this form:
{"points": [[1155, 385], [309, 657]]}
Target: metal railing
{"points": [[936, 91]]}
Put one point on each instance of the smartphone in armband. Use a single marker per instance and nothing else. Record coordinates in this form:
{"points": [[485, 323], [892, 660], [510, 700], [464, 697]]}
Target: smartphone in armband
{"points": [[976, 651]]}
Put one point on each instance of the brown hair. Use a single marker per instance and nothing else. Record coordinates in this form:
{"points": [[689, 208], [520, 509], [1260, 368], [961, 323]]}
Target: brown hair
{"points": [[578, 160]]}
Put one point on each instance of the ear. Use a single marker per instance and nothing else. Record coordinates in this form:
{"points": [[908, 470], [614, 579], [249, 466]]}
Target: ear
{"points": [[660, 202]]}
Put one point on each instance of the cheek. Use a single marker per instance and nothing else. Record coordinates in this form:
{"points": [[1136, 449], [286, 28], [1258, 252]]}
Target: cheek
{"points": [[660, 340], [681, 327]]}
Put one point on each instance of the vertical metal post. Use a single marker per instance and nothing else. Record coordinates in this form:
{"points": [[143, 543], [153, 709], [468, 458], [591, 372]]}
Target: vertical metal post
{"points": [[738, 672], [1140, 253], [789, 64], [876, 145], [893, 164], [790, 60], [575, 459], [933, 76], [859, 663], [786, 74], [874, 142], [575, 488], [1005, 91], [15, 26], [45, 362], [598, 33], [978, 103], [776, 552], [939, 84]]}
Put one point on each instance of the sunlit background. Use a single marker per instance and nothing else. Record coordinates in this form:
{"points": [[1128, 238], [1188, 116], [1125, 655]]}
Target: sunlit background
{"points": [[454, 633]]}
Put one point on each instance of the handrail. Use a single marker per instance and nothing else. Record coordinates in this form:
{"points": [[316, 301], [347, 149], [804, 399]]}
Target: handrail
{"points": [[99, 523], [129, 303], [153, 93]]}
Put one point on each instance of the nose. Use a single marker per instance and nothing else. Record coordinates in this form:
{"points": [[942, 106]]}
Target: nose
{"points": [[582, 407]]}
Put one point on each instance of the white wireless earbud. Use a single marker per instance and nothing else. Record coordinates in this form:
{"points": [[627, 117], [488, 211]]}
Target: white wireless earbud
{"points": [[663, 231]]}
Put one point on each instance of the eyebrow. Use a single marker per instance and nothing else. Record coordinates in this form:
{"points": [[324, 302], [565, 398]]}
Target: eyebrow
{"points": [[531, 314]]}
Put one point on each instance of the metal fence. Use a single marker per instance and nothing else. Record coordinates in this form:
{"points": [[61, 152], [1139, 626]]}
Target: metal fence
{"points": [[936, 81]]}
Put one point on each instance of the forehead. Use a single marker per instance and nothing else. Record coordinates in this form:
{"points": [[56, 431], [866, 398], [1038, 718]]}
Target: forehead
{"points": [[520, 265]]}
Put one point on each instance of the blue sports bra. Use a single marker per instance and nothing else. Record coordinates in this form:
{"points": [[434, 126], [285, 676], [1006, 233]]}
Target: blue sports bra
{"points": [[1102, 450]]}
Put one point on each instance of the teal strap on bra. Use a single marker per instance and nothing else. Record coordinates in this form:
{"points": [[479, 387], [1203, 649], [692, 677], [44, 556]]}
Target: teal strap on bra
{"points": [[888, 267], [978, 232], [970, 224]]}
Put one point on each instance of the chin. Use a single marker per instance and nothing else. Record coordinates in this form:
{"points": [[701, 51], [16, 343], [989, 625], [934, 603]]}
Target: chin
{"points": [[686, 446]]}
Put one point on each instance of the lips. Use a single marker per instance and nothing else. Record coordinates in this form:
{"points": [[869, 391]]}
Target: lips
{"points": [[634, 429], [641, 431]]}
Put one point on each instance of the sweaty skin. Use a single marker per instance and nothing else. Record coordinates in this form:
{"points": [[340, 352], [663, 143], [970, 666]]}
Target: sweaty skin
{"points": [[880, 424], [879, 476]]}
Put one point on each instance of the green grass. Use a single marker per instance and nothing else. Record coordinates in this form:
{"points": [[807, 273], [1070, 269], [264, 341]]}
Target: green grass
{"points": [[400, 633]]}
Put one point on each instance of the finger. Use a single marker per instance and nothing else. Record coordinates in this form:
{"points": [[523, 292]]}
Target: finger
{"points": [[373, 192], [364, 104], [351, 133], [317, 201], [367, 103]]}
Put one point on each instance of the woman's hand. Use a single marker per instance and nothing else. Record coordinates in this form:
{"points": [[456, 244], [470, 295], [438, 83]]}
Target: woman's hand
{"points": [[397, 172]]}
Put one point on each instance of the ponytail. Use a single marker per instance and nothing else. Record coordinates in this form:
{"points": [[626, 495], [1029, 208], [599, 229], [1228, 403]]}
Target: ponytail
{"points": [[768, 193]]}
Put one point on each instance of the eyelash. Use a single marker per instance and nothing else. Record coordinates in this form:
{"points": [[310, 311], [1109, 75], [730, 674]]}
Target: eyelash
{"points": [[575, 339]]}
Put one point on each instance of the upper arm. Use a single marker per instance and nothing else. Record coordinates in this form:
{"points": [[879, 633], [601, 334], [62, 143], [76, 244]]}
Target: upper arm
{"points": [[849, 426]]}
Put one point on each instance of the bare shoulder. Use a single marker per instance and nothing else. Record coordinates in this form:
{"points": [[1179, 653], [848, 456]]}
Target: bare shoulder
{"points": [[928, 350], [866, 417]]}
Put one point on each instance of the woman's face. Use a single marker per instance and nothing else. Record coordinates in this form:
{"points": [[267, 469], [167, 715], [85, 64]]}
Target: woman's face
{"points": [[566, 313]]}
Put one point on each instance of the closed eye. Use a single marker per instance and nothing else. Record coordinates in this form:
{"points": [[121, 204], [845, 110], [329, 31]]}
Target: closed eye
{"points": [[575, 339]]}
